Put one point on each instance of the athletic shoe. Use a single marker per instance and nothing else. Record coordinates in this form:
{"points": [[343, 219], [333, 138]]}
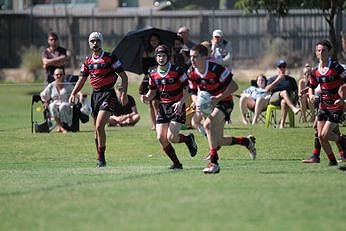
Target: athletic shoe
{"points": [[211, 169], [191, 144], [101, 163], [333, 163], [176, 166], [251, 146], [312, 160]]}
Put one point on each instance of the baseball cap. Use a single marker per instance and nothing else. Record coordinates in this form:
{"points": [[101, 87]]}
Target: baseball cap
{"points": [[281, 62], [217, 33]]}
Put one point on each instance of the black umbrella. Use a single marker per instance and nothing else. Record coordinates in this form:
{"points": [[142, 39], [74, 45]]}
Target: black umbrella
{"points": [[130, 48]]}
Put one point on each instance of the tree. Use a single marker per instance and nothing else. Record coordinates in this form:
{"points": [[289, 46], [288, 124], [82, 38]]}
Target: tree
{"points": [[332, 12]]}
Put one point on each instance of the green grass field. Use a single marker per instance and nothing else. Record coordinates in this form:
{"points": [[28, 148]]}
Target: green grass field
{"points": [[49, 181]]}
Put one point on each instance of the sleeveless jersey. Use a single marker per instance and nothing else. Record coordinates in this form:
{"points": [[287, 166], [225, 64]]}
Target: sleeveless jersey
{"points": [[102, 71], [329, 82], [215, 80], [170, 85]]}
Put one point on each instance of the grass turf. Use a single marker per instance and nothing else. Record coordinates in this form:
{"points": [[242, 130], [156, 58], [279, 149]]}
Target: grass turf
{"points": [[49, 181]]}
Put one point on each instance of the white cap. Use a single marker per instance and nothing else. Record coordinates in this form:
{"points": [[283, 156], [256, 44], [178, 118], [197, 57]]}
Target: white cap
{"points": [[218, 33], [96, 35]]}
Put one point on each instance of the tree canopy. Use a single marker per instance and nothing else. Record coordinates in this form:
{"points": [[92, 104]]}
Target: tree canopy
{"points": [[332, 10]]}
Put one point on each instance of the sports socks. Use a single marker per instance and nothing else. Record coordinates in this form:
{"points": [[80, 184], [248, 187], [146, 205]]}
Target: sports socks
{"points": [[214, 157], [317, 147], [244, 141], [101, 153], [170, 152]]}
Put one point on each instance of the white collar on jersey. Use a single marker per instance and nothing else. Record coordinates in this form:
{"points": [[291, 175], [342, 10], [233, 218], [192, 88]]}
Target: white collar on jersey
{"points": [[94, 59], [202, 75]]}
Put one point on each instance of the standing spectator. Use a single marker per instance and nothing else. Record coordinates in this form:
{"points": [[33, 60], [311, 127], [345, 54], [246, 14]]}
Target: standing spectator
{"points": [[184, 32], [53, 56], [124, 115], [304, 99], [103, 69], [221, 49], [148, 61], [254, 98], [329, 75], [55, 98], [284, 91], [170, 82], [218, 82]]}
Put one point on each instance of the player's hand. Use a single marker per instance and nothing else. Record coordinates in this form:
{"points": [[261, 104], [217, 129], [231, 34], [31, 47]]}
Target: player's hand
{"points": [[339, 102]]}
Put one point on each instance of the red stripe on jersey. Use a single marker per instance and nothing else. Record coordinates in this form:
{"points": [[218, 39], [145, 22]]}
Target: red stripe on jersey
{"points": [[215, 80], [102, 71], [329, 83], [170, 85]]}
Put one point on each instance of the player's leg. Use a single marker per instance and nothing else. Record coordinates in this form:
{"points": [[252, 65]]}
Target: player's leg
{"points": [[325, 129], [101, 121]]}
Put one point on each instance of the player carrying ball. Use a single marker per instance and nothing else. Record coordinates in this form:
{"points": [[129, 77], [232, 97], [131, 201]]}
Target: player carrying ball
{"points": [[217, 80]]}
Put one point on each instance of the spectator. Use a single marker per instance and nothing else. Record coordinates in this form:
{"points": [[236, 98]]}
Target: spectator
{"points": [[53, 56], [304, 100], [104, 69], [221, 49], [284, 91], [184, 32], [148, 61], [218, 82], [254, 98], [171, 83], [124, 115], [179, 56], [55, 98]]}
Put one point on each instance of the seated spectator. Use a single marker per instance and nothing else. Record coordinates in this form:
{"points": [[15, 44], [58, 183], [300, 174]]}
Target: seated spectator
{"points": [[254, 98], [304, 100], [124, 115], [55, 98], [284, 91]]}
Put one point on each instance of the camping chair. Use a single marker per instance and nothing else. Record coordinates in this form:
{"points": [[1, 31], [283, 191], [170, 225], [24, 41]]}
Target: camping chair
{"points": [[47, 125], [271, 115]]}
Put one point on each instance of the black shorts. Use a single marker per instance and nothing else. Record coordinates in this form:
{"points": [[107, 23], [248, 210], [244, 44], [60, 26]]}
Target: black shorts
{"points": [[167, 114], [226, 107], [103, 101], [332, 116]]}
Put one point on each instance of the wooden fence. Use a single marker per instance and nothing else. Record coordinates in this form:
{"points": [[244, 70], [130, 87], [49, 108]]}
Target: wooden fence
{"points": [[248, 34]]}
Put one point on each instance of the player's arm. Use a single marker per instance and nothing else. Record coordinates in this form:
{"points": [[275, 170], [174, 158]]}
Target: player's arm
{"points": [[124, 84], [230, 89], [79, 85], [149, 96]]}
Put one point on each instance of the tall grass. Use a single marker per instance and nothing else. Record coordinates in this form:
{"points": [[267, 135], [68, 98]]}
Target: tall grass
{"points": [[49, 181]]}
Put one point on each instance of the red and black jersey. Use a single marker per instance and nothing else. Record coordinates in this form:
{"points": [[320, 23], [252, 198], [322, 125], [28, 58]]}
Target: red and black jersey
{"points": [[214, 80], [329, 81], [170, 84], [102, 71]]}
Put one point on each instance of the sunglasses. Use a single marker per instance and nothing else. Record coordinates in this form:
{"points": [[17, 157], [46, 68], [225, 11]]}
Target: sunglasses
{"points": [[282, 66]]}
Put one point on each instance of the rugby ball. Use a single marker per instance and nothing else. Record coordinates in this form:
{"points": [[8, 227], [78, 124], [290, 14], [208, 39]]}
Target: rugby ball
{"points": [[203, 103]]}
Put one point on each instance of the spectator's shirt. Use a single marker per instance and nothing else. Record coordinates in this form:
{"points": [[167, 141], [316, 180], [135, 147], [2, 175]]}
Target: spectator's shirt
{"points": [[51, 92], [256, 92], [214, 80], [120, 109], [48, 54], [169, 84], [329, 82], [289, 84], [222, 53], [102, 71]]}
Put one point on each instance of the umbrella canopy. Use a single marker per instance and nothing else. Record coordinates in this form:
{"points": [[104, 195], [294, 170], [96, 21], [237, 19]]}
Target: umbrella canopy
{"points": [[130, 49]]}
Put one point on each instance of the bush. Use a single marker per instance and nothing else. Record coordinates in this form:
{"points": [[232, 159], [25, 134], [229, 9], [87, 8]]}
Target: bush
{"points": [[31, 60]]}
